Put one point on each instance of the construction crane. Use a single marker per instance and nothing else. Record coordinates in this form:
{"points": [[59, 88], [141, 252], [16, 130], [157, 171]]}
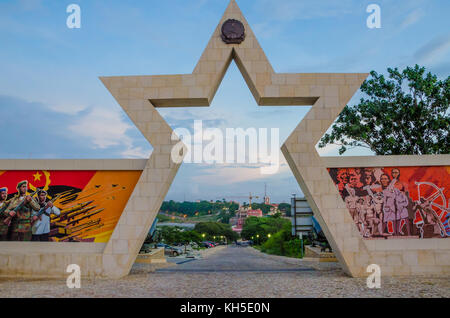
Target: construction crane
{"points": [[250, 197]]}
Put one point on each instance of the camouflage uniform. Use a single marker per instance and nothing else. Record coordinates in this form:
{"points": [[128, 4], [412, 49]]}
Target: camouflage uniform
{"points": [[21, 223], [3, 215]]}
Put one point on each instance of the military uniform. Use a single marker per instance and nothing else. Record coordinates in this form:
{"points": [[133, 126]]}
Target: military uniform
{"points": [[41, 227], [3, 215], [21, 223]]}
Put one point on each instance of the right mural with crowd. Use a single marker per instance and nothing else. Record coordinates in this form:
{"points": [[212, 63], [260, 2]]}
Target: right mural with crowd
{"points": [[396, 202]]}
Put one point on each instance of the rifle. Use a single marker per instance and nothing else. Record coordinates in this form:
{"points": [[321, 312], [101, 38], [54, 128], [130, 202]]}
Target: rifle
{"points": [[8, 220], [351, 191], [42, 210], [392, 184]]}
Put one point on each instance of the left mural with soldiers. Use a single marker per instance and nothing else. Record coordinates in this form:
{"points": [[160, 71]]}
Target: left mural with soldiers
{"points": [[394, 202], [63, 206]]}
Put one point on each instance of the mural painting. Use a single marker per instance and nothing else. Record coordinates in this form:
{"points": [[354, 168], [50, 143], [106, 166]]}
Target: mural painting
{"points": [[396, 202], [63, 206]]}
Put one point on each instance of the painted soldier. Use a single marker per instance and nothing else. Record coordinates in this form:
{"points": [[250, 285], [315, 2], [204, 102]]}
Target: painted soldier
{"points": [[20, 226], [389, 211], [355, 182], [402, 217], [350, 202], [3, 215], [41, 226], [378, 206], [361, 216], [373, 222], [342, 180], [403, 187], [370, 181]]}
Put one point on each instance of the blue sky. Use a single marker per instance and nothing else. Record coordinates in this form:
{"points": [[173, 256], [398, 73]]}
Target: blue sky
{"points": [[54, 106]]}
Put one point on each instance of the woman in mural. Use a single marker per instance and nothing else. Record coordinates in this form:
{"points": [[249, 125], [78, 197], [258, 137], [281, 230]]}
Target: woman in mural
{"points": [[395, 207], [400, 185]]}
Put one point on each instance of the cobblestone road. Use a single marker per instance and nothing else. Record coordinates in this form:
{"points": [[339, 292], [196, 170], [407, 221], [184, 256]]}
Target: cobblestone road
{"points": [[233, 272]]}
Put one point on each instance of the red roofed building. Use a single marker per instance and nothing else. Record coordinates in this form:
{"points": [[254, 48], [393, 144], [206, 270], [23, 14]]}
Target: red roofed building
{"points": [[242, 214]]}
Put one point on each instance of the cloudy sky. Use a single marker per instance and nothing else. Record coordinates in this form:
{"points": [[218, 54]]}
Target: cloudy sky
{"points": [[54, 106]]}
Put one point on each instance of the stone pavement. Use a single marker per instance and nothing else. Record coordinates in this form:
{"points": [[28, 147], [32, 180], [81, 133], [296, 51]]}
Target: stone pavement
{"points": [[237, 259], [234, 272]]}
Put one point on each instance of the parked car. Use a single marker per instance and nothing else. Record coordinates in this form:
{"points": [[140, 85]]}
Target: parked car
{"points": [[207, 244], [170, 250], [243, 243], [214, 244]]}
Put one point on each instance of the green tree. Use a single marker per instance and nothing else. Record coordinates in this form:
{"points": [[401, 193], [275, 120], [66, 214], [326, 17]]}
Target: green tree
{"points": [[211, 229], [285, 207], [171, 234], [406, 113], [265, 208], [191, 236], [203, 207], [175, 234], [254, 226], [282, 243]]}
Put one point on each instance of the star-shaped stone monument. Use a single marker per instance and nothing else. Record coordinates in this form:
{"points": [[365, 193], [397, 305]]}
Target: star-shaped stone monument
{"points": [[140, 96]]}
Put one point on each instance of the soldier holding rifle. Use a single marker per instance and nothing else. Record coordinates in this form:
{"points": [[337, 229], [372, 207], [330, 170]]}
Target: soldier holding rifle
{"points": [[3, 215], [20, 211], [41, 219]]}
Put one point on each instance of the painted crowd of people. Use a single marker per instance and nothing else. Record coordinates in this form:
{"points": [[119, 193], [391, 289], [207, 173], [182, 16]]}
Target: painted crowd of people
{"points": [[24, 218], [380, 203]]}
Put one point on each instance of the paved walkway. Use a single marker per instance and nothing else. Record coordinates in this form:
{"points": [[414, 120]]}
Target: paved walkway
{"points": [[233, 272], [235, 260]]}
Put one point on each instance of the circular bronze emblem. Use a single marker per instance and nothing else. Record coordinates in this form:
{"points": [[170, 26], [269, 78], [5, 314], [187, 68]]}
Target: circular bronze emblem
{"points": [[233, 32]]}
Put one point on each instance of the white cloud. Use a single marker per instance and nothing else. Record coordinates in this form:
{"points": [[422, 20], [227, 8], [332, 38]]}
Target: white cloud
{"points": [[104, 128], [136, 153], [434, 51], [66, 108], [412, 18], [234, 174]]}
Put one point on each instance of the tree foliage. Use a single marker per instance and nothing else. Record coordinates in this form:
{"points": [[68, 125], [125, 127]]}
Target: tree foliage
{"points": [[202, 207], [175, 234], [254, 226], [211, 229], [285, 208], [265, 208], [282, 243], [404, 114]]}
